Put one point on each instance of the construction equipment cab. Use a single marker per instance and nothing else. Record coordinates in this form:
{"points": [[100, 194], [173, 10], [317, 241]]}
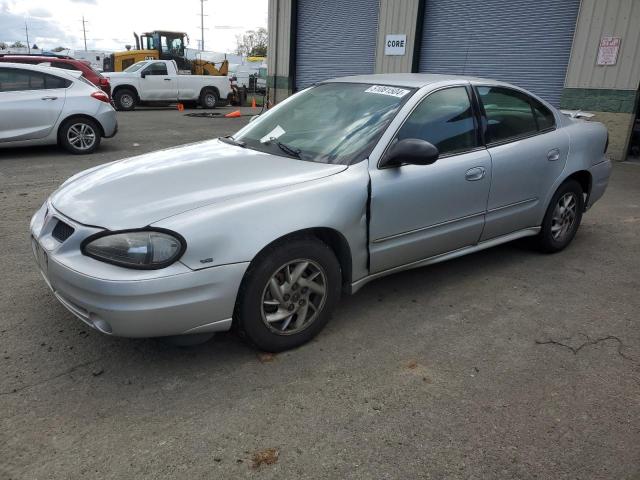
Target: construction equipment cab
{"points": [[160, 82]]}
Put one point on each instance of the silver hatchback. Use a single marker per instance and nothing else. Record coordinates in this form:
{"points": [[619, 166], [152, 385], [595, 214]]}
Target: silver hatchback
{"points": [[47, 106], [340, 184]]}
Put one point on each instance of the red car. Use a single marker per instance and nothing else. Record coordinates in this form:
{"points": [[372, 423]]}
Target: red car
{"points": [[62, 61]]}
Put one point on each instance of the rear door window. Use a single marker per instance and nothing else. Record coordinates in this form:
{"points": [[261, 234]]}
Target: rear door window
{"points": [[509, 114], [544, 116]]}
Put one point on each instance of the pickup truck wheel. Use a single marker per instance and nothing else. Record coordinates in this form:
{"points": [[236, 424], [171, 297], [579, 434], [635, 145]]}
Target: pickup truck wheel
{"points": [[208, 99], [125, 100], [288, 293]]}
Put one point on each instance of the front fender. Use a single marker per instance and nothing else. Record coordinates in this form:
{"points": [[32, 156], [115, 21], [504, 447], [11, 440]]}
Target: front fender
{"points": [[236, 230]]}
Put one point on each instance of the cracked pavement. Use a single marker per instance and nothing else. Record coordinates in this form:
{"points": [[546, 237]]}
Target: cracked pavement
{"points": [[504, 364]]}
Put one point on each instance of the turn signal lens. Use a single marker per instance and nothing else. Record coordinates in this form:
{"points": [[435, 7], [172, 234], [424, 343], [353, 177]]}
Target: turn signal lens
{"points": [[141, 249]]}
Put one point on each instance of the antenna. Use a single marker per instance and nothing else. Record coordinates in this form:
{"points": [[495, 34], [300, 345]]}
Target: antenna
{"points": [[26, 30], [84, 32], [202, 29]]}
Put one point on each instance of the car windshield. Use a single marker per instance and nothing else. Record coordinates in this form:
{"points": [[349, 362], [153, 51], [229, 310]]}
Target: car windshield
{"points": [[135, 67], [330, 123]]}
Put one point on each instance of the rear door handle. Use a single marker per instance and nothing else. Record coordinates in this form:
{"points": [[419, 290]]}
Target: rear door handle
{"points": [[49, 98], [553, 155], [474, 174], [167, 79]]}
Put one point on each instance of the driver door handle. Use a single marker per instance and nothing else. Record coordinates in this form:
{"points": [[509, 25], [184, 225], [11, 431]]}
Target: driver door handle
{"points": [[167, 79], [49, 98], [475, 174], [553, 155]]}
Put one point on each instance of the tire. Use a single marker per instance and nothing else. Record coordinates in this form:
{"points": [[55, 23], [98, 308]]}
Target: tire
{"points": [[125, 100], [208, 98], [263, 320], [79, 136], [560, 224]]}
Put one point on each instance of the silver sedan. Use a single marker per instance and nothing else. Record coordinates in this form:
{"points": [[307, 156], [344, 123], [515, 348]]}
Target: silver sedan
{"points": [[347, 181]]}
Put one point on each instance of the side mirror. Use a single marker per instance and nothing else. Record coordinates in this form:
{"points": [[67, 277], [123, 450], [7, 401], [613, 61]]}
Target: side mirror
{"points": [[412, 151], [143, 74]]}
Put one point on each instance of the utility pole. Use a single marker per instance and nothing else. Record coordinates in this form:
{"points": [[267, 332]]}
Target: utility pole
{"points": [[202, 29], [84, 32], [26, 30]]}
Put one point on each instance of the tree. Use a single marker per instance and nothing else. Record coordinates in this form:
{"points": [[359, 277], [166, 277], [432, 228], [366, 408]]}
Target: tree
{"points": [[35, 47], [59, 49], [3, 46], [253, 43], [17, 44]]}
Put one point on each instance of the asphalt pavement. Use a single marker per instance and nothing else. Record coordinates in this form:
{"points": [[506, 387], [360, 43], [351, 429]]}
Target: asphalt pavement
{"points": [[504, 364]]}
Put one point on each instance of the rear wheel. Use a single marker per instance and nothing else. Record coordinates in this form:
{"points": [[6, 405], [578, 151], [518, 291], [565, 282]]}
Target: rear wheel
{"points": [[79, 135], [125, 99], [563, 218], [208, 98], [288, 294]]}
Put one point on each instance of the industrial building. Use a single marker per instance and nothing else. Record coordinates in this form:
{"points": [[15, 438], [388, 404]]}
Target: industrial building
{"points": [[576, 54]]}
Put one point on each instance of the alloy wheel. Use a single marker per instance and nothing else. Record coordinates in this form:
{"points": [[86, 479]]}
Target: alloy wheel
{"points": [[564, 216], [81, 136], [294, 297]]}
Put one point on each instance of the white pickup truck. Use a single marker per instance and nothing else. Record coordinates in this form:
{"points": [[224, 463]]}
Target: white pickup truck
{"points": [[160, 82]]}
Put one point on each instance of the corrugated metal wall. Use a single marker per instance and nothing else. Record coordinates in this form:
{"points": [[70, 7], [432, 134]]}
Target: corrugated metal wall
{"points": [[524, 42], [335, 38], [396, 17], [615, 18]]}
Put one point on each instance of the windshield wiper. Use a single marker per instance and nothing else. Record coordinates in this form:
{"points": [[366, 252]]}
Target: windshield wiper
{"points": [[294, 152], [231, 141]]}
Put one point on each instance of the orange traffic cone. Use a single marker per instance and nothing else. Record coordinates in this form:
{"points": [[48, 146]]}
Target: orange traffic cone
{"points": [[180, 107], [253, 102], [235, 114]]}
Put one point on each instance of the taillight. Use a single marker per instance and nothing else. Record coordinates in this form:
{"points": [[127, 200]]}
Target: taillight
{"points": [[100, 95], [103, 82]]}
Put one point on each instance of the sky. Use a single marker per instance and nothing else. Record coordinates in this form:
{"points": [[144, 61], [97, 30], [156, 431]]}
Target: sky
{"points": [[111, 23]]}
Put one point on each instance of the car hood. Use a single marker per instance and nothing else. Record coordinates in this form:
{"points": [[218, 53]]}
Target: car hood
{"points": [[138, 191]]}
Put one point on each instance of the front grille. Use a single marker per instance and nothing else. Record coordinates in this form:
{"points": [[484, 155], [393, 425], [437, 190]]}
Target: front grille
{"points": [[62, 231]]}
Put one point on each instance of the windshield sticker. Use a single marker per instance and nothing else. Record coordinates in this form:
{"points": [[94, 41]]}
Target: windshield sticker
{"points": [[392, 91], [273, 134]]}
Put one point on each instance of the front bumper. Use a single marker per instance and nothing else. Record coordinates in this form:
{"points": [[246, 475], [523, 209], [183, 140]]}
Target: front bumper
{"points": [[132, 303]]}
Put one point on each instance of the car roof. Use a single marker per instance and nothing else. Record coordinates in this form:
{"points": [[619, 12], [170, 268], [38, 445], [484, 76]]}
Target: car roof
{"points": [[412, 80], [51, 58], [69, 74]]}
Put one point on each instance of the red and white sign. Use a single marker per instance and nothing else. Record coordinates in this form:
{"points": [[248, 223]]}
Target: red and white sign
{"points": [[608, 51]]}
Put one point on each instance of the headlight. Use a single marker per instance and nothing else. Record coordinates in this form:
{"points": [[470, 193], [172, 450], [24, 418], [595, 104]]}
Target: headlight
{"points": [[141, 249]]}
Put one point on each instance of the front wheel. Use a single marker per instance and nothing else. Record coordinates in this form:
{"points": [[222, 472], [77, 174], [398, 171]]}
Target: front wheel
{"points": [[79, 135], [563, 217], [288, 294]]}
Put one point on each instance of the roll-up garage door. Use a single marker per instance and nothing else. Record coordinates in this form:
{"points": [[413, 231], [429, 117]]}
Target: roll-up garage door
{"points": [[523, 42], [334, 38]]}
